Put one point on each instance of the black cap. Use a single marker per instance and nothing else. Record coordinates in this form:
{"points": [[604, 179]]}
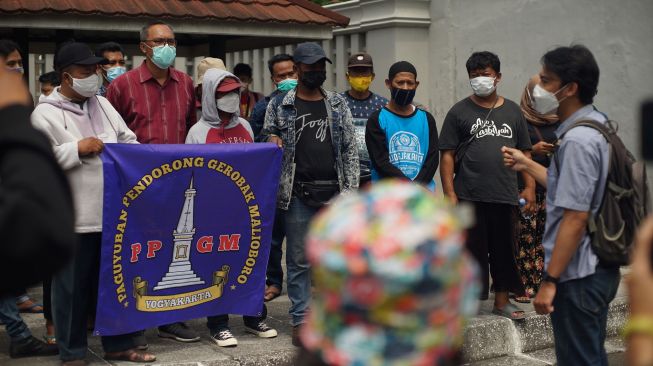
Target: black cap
{"points": [[309, 53], [360, 60], [75, 53]]}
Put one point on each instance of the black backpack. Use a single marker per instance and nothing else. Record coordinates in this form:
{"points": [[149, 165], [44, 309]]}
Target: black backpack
{"points": [[625, 200]]}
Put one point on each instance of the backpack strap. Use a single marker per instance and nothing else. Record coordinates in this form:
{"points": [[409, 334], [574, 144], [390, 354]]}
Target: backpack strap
{"points": [[605, 130]]}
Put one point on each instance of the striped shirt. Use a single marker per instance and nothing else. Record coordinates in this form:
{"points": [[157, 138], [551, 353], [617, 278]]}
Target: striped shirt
{"points": [[158, 114]]}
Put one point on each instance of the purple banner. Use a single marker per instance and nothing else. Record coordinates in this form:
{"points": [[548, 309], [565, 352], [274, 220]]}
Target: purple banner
{"points": [[186, 232]]}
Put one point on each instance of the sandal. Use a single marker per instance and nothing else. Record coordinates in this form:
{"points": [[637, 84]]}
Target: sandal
{"points": [[31, 307], [271, 293], [524, 299], [130, 355], [49, 339], [510, 311]]}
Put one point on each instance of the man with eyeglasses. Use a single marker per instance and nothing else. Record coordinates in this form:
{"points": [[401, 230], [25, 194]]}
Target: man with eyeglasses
{"points": [[112, 52], [156, 100]]}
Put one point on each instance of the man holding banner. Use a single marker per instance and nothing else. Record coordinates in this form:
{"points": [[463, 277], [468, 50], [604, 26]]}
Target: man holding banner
{"points": [[320, 160], [78, 124]]}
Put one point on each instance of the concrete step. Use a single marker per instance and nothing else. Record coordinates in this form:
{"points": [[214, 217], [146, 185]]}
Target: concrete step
{"points": [[546, 357], [497, 339], [489, 340]]}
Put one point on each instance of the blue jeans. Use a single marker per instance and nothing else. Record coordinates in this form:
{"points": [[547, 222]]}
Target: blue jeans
{"points": [[580, 317], [275, 271], [73, 288], [14, 324], [298, 217]]}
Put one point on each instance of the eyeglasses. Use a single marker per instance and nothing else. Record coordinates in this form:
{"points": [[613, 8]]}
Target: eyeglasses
{"points": [[161, 41]]}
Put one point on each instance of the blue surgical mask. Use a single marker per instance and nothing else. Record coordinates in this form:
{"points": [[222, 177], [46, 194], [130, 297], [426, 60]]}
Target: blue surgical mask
{"points": [[286, 84], [163, 56], [18, 69], [114, 72]]}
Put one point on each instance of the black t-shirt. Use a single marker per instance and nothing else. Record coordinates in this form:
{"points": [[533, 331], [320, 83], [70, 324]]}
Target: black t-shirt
{"points": [[483, 176], [314, 158]]}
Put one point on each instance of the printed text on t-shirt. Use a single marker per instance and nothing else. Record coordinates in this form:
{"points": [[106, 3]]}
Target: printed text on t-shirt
{"points": [[320, 126], [488, 128]]}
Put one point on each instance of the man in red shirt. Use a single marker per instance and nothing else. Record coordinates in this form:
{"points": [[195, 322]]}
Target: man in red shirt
{"points": [[156, 101]]}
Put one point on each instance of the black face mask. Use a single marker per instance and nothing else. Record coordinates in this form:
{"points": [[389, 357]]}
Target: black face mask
{"points": [[403, 97], [313, 79]]}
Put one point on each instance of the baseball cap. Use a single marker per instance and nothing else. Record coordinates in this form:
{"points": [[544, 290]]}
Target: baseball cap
{"points": [[309, 53], [76, 53], [228, 84], [208, 63], [389, 264], [360, 59]]}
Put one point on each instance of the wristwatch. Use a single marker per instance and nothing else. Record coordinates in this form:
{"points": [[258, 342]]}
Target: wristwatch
{"points": [[549, 278]]}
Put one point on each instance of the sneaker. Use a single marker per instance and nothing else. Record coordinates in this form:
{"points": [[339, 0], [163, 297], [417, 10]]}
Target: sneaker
{"points": [[262, 330], [179, 332], [30, 347], [296, 341], [224, 338]]}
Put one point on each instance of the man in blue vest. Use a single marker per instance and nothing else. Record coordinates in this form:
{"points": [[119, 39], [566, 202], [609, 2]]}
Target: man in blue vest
{"points": [[402, 139]]}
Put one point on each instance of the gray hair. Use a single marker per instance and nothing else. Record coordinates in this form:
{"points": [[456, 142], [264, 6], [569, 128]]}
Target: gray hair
{"points": [[146, 28]]}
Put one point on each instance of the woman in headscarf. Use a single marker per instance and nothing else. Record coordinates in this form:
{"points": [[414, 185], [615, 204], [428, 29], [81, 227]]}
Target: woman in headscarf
{"points": [[530, 257]]}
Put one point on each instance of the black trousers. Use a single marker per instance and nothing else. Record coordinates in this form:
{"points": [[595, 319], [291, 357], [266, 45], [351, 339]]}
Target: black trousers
{"points": [[72, 290], [492, 242]]}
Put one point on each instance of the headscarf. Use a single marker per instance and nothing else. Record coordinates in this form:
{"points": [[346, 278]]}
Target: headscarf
{"points": [[532, 116], [394, 284]]}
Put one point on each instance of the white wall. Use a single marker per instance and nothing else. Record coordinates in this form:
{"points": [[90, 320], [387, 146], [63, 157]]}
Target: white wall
{"points": [[619, 34]]}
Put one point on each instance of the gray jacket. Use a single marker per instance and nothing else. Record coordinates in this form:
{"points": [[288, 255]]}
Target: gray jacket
{"points": [[280, 121]]}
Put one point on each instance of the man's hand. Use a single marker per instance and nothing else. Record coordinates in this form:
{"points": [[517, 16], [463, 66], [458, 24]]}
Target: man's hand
{"points": [[453, 198], [514, 159], [276, 140], [89, 145], [528, 194], [543, 148], [14, 90], [544, 299]]}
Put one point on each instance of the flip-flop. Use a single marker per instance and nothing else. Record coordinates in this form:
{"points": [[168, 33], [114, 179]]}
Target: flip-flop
{"points": [[509, 311], [271, 293], [130, 355], [49, 339]]}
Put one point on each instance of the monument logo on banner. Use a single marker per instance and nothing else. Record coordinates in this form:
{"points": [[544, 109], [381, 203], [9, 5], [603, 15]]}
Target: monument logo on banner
{"points": [[186, 232]]}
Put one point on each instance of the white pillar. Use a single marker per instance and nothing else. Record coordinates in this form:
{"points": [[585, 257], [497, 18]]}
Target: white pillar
{"points": [[267, 83], [339, 63]]}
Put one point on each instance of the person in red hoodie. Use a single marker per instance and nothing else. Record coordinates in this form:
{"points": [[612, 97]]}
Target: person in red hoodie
{"points": [[221, 124]]}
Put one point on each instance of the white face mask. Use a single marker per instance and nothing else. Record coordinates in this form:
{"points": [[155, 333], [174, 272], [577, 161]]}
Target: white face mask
{"points": [[482, 85], [229, 103], [544, 101], [86, 87]]}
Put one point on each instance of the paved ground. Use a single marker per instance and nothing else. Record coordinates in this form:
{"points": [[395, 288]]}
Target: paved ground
{"points": [[490, 335]]}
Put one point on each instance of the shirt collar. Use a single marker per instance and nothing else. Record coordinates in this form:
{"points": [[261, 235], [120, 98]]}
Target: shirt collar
{"points": [[566, 124], [145, 74]]}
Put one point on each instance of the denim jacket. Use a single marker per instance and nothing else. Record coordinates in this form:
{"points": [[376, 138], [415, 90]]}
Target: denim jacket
{"points": [[280, 121]]}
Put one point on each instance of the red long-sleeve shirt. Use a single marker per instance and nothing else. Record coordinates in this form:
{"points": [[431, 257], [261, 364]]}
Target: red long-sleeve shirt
{"points": [[158, 114]]}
